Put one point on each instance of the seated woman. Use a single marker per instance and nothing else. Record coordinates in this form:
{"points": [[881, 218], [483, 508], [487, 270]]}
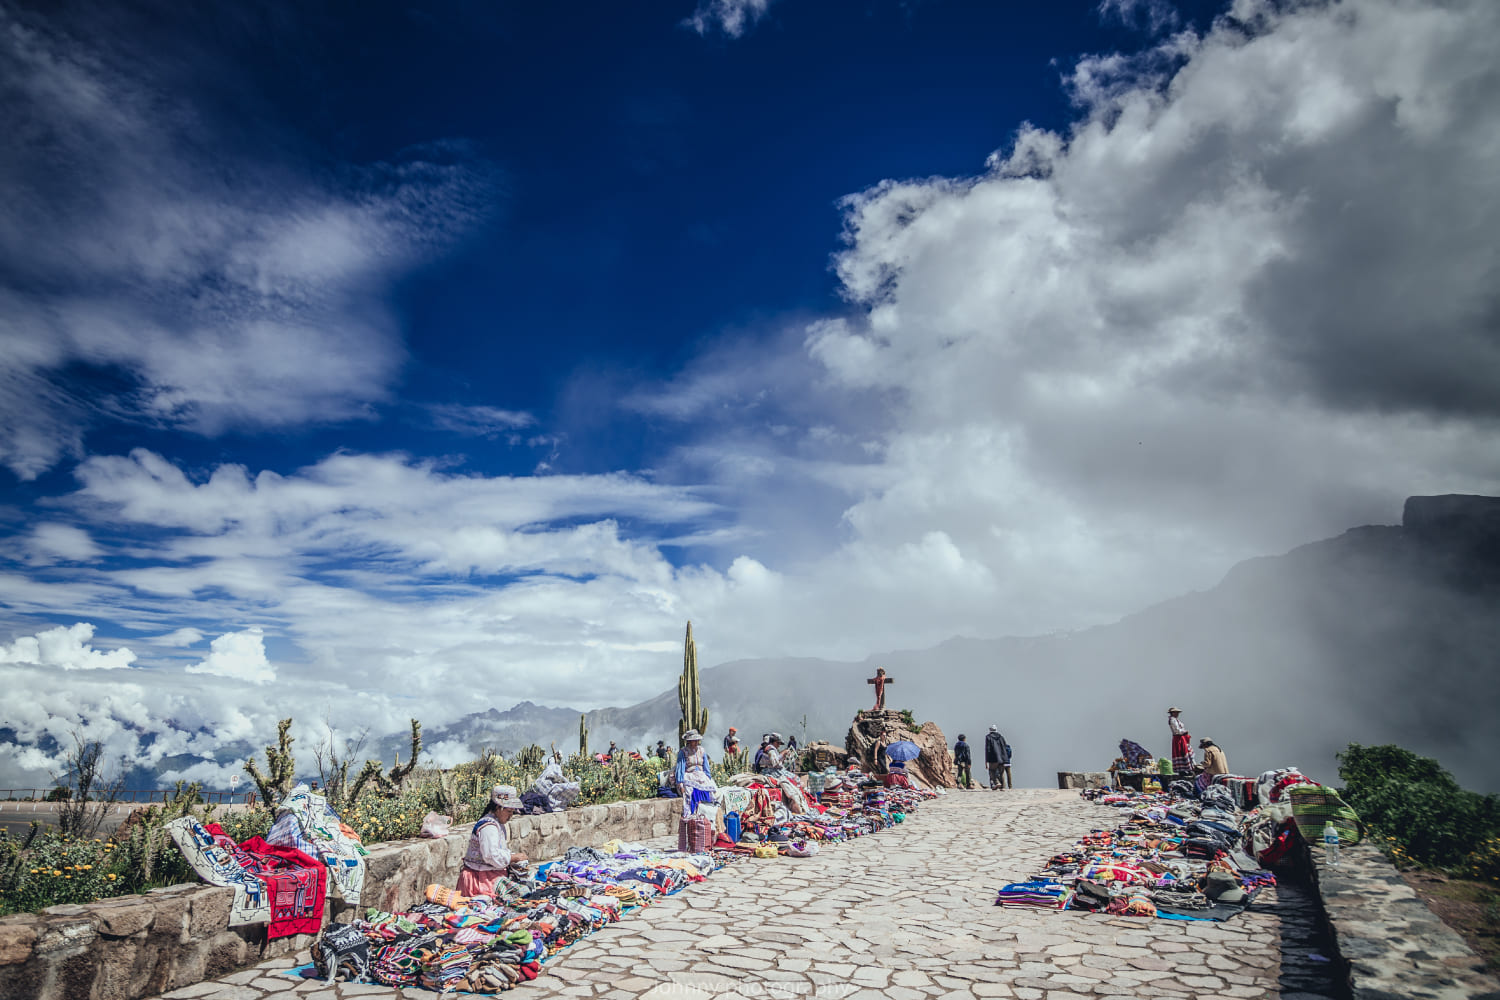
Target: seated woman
{"points": [[695, 827], [895, 775], [489, 853], [772, 764]]}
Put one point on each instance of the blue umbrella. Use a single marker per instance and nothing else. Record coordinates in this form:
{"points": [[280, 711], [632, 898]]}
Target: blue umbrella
{"points": [[903, 750]]}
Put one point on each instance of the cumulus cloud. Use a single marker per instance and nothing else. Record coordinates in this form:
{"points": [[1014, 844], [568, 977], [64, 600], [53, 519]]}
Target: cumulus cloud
{"points": [[238, 655], [731, 17], [65, 648], [213, 298]]}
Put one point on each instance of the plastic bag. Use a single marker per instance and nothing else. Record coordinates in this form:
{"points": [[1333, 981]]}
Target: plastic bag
{"points": [[436, 825]]}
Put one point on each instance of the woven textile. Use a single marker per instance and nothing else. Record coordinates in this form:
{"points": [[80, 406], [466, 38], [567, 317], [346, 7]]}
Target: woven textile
{"points": [[217, 866]]}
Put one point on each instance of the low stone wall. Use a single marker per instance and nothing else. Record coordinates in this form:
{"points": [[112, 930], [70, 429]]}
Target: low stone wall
{"points": [[1083, 779], [1395, 946], [137, 946]]}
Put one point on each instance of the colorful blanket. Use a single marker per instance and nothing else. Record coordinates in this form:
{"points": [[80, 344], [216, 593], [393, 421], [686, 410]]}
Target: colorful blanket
{"points": [[305, 821], [217, 866]]}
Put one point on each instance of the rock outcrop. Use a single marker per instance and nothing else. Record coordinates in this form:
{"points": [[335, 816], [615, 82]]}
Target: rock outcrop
{"points": [[873, 731]]}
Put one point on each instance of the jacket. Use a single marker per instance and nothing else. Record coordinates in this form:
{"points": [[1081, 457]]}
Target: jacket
{"points": [[961, 753], [1214, 761], [996, 750]]}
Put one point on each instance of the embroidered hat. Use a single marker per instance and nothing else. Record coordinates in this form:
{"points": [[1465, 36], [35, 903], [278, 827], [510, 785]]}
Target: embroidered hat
{"points": [[505, 797], [692, 736], [775, 738], [1174, 708]]}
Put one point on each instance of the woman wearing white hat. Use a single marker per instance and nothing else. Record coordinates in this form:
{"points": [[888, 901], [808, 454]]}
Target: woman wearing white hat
{"points": [[695, 829], [489, 853]]}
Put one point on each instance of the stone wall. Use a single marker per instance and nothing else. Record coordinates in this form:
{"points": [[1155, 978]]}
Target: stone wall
{"points": [[138, 946], [1083, 779], [1394, 945]]}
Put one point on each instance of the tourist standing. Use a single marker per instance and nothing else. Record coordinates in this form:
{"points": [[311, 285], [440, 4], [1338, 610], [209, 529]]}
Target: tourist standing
{"points": [[1214, 761], [732, 742], [489, 853], [996, 758], [964, 760], [1182, 742], [695, 828]]}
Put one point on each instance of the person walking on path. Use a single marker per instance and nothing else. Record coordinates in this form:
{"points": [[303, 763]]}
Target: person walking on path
{"points": [[997, 759], [1182, 742], [489, 853], [964, 760]]}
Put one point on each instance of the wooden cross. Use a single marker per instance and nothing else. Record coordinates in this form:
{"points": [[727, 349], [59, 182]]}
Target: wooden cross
{"points": [[880, 680]]}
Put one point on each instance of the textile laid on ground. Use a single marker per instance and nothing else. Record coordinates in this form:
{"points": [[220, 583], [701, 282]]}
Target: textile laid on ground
{"points": [[217, 866], [487, 944], [1188, 853], [305, 820]]}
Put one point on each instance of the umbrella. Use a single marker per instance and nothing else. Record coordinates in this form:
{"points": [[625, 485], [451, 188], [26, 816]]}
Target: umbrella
{"points": [[903, 750]]}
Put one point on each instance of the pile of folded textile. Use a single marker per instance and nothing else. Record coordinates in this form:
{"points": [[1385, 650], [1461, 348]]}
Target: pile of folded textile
{"points": [[785, 812], [485, 944], [1192, 852]]}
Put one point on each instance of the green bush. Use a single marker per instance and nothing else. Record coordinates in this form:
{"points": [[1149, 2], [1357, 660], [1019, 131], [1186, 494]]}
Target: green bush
{"points": [[1417, 807]]}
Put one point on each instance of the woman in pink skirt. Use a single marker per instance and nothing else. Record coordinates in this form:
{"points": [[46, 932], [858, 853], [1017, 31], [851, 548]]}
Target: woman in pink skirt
{"points": [[489, 853]]}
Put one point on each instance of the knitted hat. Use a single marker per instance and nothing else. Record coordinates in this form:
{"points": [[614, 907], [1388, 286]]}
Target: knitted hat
{"points": [[505, 797]]}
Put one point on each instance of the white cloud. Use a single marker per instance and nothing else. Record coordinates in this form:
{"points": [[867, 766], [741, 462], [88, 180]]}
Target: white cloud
{"points": [[238, 655], [479, 421], [65, 648], [181, 637], [732, 17], [51, 543], [218, 298]]}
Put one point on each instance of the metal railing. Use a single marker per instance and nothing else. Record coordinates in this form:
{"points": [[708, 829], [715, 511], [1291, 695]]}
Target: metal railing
{"points": [[128, 796]]}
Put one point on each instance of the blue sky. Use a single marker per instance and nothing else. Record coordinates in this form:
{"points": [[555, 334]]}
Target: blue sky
{"points": [[409, 361]]}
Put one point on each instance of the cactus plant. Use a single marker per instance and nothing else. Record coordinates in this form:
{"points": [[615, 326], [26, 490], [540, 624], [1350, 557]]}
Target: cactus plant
{"points": [[282, 766], [531, 758], [689, 695], [583, 735]]}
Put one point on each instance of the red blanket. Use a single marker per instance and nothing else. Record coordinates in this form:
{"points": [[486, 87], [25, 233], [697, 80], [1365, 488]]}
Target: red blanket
{"points": [[295, 883]]}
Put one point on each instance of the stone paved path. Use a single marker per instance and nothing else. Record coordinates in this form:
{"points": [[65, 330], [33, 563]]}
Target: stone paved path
{"points": [[907, 914]]}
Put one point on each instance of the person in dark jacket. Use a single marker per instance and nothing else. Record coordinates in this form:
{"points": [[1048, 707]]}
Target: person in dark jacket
{"points": [[964, 760], [997, 759]]}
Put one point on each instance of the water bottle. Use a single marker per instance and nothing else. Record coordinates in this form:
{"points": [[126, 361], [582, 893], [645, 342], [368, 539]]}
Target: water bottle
{"points": [[1331, 844]]}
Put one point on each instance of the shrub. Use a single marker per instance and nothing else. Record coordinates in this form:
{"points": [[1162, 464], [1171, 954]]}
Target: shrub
{"points": [[1417, 807]]}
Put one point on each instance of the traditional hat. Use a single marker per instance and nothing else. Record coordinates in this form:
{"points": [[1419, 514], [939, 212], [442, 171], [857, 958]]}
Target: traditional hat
{"points": [[1205, 742], [776, 738], [505, 797], [691, 736], [1174, 708]]}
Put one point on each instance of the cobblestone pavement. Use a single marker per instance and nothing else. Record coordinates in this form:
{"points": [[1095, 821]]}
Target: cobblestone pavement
{"points": [[906, 913]]}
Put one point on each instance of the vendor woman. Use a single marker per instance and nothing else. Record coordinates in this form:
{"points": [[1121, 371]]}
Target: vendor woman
{"points": [[695, 829], [489, 853]]}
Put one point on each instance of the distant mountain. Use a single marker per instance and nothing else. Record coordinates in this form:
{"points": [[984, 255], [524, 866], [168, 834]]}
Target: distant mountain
{"points": [[1383, 634]]}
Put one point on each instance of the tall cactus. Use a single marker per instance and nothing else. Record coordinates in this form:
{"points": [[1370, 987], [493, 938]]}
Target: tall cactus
{"points": [[583, 735], [689, 695]]}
